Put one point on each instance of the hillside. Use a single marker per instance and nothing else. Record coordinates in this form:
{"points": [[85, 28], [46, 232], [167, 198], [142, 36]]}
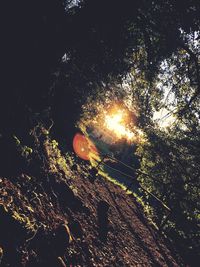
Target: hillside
{"points": [[55, 215]]}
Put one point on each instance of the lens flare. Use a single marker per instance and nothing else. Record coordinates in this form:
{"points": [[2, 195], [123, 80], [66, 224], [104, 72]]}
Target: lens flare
{"points": [[84, 147], [115, 123]]}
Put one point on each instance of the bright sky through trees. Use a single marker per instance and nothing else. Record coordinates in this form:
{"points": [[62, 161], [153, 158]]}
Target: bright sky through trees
{"points": [[115, 123]]}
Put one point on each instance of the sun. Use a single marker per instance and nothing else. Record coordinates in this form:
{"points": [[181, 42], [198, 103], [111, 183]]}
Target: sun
{"points": [[115, 123]]}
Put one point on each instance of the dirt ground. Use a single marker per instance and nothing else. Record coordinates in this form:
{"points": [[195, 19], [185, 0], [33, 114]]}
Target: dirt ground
{"points": [[53, 215]]}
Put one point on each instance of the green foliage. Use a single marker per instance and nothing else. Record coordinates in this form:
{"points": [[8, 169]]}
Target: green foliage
{"points": [[169, 157], [172, 167], [24, 150]]}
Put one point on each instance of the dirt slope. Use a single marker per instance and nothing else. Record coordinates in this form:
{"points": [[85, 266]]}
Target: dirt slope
{"points": [[131, 241], [53, 216]]}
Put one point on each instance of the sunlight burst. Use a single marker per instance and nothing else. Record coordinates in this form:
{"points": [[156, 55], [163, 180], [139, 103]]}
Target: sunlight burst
{"points": [[115, 122]]}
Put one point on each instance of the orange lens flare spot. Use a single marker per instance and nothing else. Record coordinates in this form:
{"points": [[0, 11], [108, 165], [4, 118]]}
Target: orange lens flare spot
{"points": [[83, 147]]}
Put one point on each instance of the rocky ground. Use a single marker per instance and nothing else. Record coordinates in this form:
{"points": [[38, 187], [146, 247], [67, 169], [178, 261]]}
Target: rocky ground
{"points": [[54, 214]]}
